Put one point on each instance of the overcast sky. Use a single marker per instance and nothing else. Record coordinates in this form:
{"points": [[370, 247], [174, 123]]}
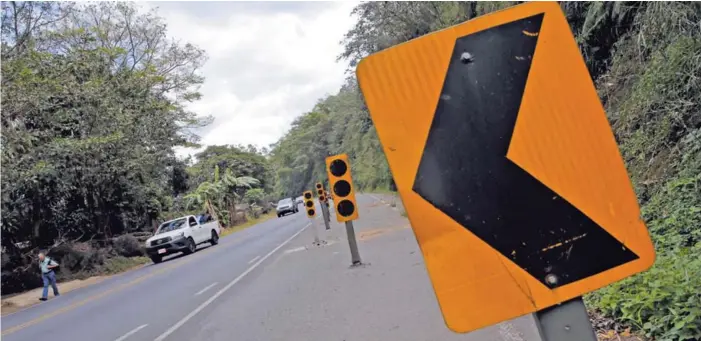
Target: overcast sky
{"points": [[268, 62]]}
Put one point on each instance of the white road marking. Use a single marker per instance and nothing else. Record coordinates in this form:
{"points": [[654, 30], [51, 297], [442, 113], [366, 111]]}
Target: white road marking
{"points": [[253, 260], [206, 288], [132, 332], [301, 248], [224, 289]]}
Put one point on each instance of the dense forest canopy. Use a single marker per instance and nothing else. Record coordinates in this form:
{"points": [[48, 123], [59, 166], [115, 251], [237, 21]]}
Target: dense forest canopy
{"points": [[94, 103]]}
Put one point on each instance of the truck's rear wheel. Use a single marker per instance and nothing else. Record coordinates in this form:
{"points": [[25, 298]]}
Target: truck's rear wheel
{"points": [[215, 238]]}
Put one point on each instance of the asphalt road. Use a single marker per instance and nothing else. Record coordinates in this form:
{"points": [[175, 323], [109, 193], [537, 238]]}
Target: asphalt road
{"points": [[268, 282], [152, 303]]}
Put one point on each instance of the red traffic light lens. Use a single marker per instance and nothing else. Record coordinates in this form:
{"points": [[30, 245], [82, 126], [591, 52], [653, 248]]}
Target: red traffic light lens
{"points": [[338, 167]]}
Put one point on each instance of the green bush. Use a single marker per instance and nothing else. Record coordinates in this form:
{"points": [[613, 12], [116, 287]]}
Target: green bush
{"points": [[652, 94], [78, 260], [664, 302], [128, 246]]}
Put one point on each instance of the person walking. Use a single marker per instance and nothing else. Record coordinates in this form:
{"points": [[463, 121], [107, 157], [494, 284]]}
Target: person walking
{"points": [[48, 276]]}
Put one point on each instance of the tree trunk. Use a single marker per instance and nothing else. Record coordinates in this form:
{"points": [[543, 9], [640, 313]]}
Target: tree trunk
{"points": [[232, 214], [211, 210], [37, 225]]}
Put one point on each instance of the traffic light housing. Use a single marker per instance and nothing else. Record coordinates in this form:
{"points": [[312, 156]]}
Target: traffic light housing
{"points": [[321, 192], [341, 183], [309, 204]]}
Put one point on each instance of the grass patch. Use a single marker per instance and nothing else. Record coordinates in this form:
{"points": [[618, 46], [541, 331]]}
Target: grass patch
{"points": [[119, 264], [229, 230]]}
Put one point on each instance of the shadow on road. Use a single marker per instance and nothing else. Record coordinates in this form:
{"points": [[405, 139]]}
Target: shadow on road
{"points": [[181, 255]]}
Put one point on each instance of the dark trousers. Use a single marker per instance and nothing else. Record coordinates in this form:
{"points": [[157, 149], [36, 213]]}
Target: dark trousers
{"points": [[49, 278]]}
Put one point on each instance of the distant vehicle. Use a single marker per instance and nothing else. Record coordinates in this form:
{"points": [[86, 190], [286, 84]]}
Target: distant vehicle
{"points": [[286, 206], [182, 235], [299, 200]]}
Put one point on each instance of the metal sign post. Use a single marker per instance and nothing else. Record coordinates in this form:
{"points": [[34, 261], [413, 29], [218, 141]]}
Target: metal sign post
{"points": [[316, 233], [350, 232], [567, 321], [325, 213]]}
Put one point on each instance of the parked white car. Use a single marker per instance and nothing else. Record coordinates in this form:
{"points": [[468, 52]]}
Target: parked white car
{"points": [[181, 235]]}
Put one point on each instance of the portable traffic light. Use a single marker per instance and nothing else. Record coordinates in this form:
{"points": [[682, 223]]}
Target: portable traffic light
{"points": [[309, 204], [321, 192], [341, 183]]}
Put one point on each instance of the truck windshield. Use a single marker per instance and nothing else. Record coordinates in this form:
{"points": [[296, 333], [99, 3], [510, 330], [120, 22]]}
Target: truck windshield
{"points": [[172, 225]]}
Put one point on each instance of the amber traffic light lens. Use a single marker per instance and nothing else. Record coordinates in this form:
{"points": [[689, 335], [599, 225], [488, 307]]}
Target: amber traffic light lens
{"points": [[341, 188], [338, 167], [309, 204], [320, 192], [310, 211], [345, 208], [307, 195]]}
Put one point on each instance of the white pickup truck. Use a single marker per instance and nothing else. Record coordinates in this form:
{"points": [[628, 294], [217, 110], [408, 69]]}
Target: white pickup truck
{"points": [[181, 235]]}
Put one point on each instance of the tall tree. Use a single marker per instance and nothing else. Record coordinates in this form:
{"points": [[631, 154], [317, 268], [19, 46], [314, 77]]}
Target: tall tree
{"points": [[93, 102]]}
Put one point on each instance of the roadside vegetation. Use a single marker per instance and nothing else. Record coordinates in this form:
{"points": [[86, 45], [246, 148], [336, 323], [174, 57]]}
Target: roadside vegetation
{"points": [[94, 102]]}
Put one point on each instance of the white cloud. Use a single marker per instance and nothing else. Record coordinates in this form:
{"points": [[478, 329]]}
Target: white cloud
{"points": [[268, 62]]}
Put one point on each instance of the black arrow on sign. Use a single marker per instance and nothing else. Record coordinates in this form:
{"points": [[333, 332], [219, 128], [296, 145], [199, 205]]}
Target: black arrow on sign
{"points": [[464, 171]]}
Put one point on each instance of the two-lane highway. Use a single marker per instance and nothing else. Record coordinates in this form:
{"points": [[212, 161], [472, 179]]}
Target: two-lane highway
{"points": [[153, 302]]}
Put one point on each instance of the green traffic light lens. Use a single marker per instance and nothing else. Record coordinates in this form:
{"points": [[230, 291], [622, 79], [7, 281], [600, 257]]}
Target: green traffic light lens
{"points": [[310, 212], [345, 208]]}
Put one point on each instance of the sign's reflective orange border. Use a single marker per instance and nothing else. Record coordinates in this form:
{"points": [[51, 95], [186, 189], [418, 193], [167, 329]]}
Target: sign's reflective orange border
{"points": [[575, 155]]}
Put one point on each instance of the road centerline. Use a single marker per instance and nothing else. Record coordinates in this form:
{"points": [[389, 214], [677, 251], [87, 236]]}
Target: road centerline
{"points": [[227, 287]]}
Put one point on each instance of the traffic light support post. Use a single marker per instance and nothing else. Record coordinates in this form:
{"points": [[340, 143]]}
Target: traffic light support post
{"points": [[325, 213], [350, 232], [567, 321], [316, 233]]}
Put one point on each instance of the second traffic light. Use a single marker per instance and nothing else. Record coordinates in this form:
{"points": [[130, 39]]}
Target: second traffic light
{"points": [[309, 204], [341, 183], [321, 192]]}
